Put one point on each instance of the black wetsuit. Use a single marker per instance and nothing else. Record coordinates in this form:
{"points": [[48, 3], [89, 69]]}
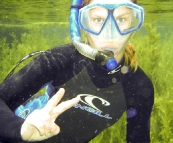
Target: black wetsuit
{"points": [[104, 96]]}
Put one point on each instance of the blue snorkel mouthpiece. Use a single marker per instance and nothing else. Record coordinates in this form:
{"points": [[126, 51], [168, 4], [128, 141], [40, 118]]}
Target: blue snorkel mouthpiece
{"points": [[106, 58], [111, 64]]}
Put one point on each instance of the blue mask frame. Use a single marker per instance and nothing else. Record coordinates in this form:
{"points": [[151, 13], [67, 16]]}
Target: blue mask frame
{"points": [[110, 8]]}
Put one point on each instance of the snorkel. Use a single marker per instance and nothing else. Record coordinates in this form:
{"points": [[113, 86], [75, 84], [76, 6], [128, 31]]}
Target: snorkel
{"points": [[106, 58]]}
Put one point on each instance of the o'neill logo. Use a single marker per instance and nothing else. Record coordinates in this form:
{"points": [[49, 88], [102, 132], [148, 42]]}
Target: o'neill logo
{"points": [[88, 100]]}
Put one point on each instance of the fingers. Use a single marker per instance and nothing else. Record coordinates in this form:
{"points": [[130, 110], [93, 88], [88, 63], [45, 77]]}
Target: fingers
{"points": [[54, 129], [42, 120], [54, 100], [64, 106], [43, 123], [38, 120], [47, 127], [50, 129]]}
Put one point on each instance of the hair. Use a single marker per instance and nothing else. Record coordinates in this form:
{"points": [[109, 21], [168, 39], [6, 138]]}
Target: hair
{"points": [[130, 57], [129, 54], [86, 2]]}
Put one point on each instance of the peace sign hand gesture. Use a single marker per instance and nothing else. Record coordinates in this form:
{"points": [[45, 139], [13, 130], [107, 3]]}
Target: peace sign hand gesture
{"points": [[39, 125]]}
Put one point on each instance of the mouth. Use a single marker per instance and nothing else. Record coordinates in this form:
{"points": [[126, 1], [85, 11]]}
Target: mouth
{"points": [[114, 50]]}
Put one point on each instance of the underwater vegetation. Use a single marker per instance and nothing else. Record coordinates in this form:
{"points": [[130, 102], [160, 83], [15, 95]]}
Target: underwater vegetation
{"points": [[15, 45], [154, 50]]}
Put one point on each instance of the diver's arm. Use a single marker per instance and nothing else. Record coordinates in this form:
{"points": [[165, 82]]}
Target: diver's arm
{"points": [[39, 125], [10, 124], [140, 99], [48, 66], [21, 86]]}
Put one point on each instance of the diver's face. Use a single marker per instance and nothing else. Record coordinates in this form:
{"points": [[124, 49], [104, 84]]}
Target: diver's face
{"points": [[108, 40], [117, 45]]}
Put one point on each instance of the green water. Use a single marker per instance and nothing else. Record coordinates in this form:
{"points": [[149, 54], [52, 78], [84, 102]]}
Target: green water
{"points": [[30, 25]]}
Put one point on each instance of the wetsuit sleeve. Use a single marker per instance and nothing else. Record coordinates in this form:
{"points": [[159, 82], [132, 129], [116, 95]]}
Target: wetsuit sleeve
{"points": [[21, 86], [10, 124], [139, 95]]}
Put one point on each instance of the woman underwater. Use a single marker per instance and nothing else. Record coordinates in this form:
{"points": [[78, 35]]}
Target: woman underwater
{"points": [[103, 72]]}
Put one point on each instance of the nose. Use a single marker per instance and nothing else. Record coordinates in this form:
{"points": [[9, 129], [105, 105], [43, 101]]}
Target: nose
{"points": [[109, 30]]}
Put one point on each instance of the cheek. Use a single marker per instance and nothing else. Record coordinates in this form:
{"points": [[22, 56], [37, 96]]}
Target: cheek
{"points": [[123, 40], [93, 40], [96, 41]]}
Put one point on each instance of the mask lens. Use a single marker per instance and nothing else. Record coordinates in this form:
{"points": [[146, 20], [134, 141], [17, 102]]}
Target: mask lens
{"points": [[127, 18], [124, 18], [92, 20]]}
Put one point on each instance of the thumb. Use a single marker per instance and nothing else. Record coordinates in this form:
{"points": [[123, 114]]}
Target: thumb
{"points": [[55, 129]]}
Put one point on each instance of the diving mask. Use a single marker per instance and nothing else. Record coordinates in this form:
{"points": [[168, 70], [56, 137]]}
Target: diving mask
{"points": [[103, 18]]}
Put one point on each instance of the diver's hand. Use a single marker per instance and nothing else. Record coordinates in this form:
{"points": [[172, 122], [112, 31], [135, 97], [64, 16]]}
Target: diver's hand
{"points": [[39, 125]]}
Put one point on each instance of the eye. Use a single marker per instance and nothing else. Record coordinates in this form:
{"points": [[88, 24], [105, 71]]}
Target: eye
{"points": [[99, 20], [121, 20], [125, 19]]}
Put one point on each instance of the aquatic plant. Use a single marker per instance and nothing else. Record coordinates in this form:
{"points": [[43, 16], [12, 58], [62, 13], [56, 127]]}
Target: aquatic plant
{"points": [[31, 39]]}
